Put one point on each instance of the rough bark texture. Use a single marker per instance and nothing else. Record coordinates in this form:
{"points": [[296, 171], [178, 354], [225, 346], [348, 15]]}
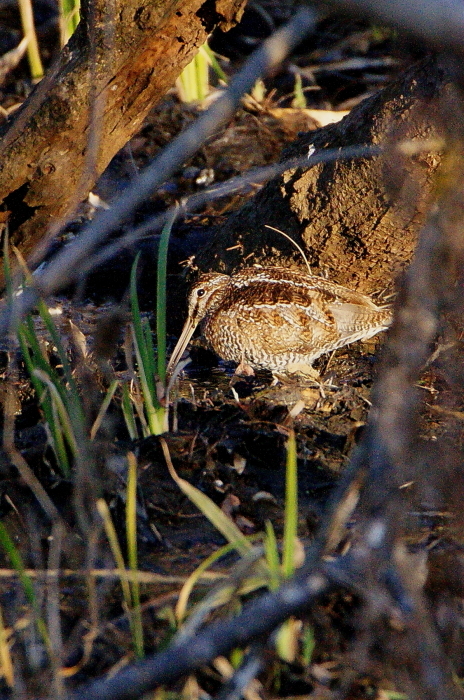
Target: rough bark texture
{"points": [[123, 57], [357, 220]]}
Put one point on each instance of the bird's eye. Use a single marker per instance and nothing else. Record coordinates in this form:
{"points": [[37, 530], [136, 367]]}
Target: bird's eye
{"points": [[200, 292]]}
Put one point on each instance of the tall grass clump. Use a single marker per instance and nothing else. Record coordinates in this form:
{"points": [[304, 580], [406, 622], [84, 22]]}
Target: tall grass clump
{"points": [[193, 84], [57, 391], [58, 394], [151, 363], [253, 570]]}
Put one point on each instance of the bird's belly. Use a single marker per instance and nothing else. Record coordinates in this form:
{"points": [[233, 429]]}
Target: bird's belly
{"points": [[260, 346]]}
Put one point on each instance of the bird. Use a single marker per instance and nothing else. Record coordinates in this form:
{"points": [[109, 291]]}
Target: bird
{"points": [[276, 318]]}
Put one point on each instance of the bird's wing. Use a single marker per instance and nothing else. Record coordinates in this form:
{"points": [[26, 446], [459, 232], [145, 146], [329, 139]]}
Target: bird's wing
{"points": [[354, 318], [281, 324], [278, 298]]}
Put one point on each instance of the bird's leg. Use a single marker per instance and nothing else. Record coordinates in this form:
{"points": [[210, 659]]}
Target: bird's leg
{"points": [[244, 369], [304, 368]]}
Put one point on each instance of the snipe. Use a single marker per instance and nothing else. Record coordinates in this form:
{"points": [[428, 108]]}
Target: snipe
{"points": [[277, 319]]}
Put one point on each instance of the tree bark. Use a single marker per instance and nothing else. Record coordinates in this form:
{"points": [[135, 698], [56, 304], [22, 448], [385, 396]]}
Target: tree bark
{"points": [[356, 219], [122, 59]]}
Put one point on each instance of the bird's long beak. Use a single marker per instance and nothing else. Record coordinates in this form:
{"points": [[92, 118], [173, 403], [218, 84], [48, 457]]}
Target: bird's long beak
{"points": [[187, 332]]}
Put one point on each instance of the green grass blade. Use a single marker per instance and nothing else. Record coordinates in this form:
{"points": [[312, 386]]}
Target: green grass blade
{"points": [[193, 82], [55, 336], [161, 297], [143, 348], [26, 339], [38, 357], [24, 344], [64, 418], [291, 508], [62, 404], [308, 644], [287, 639], [17, 564], [33, 54], [184, 595], [143, 344], [271, 550], [103, 408], [215, 515], [7, 267], [214, 63], [299, 99], [150, 364], [136, 315], [110, 531], [128, 413], [56, 435], [67, 389], [69, 18], [153, 412], [131, 535], [131, 512]]}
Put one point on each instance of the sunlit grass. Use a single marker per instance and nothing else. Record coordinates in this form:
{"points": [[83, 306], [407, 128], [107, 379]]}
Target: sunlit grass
{"points": [[193, 84], [69, 18], [129, 585], [58, 393], [28, 27], [154, 412], [131, 537], [299, 99], [151, 363]]}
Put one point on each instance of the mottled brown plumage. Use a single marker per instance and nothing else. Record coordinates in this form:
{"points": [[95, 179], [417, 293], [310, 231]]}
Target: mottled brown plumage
{"points": [[274, 318]]}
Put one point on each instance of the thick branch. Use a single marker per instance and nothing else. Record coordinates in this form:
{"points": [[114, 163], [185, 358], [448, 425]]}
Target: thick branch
{"points": [[121, 60]]}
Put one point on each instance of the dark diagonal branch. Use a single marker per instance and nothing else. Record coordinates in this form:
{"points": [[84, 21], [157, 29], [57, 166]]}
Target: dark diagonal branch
{"points": [[257, 620]]}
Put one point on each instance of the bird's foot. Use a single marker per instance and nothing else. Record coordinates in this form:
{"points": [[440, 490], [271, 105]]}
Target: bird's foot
{"points": [[305, 369], [245, 370]]}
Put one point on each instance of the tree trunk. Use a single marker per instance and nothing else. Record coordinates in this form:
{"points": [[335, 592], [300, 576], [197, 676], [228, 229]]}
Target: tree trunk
{"points": [[357, 219], [122, 59]]}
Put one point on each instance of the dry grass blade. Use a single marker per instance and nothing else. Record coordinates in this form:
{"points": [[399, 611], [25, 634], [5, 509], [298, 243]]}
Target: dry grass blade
{"points": [[6, 663]]}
